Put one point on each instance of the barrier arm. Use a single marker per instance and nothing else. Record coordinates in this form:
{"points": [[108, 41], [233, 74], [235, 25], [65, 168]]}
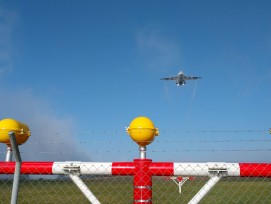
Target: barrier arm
{"points": [[213, 170]]}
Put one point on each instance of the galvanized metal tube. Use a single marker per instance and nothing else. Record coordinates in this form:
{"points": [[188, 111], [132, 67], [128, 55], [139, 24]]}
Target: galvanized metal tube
{"points": [[16, 180], [14, 146]]}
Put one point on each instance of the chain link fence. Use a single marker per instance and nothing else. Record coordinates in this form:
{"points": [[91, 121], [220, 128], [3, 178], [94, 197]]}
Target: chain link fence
{"points": [[178, 184], [119, 188]]}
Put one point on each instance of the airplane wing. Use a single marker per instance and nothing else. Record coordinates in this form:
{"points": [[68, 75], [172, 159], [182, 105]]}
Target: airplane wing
{"points": [[170, 78], [191, 77]]}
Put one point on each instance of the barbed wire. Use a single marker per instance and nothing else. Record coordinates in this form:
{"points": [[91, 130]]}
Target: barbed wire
{"points": [[216, 131], [83, 141], [156, 141], [214, 141], [214, 150], [117, 132], [151, 150]]}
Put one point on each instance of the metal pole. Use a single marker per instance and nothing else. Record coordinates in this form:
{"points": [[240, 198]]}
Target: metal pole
{"points": [[9, 154], [16, 180], [142, 152]]}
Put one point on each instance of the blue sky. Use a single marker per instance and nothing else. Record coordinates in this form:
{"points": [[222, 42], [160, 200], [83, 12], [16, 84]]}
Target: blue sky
{"points": [[80, 71]]}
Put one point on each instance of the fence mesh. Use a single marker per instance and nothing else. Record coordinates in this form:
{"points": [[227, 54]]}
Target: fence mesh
{"points": [[119, 189]]}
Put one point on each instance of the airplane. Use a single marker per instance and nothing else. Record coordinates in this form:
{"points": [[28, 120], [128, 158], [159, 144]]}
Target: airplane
{"points": [[180, 78]]}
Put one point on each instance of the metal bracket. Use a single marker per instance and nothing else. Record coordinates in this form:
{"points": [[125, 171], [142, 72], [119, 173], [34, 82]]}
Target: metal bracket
{"points": [[218, 171], [72, 168]]}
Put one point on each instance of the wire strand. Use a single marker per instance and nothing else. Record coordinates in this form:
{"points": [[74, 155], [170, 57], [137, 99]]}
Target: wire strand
{"points": [[156, 141]]}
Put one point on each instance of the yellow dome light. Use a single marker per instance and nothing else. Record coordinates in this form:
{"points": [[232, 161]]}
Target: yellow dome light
{"points": [[20, 129], [142, 131]]}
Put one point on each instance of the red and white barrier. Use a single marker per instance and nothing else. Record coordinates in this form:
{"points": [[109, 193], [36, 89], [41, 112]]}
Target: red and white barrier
{"points": [[129, 168], [142, 170]]}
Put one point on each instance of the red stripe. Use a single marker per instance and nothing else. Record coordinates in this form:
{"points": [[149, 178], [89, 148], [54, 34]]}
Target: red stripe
{"points": [[27, 167], [255, 169], [123, 168], [162, 168]]}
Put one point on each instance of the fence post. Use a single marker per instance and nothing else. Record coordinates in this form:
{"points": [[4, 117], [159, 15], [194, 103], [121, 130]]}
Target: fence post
{"points": [[142, 182], [17, 156]]}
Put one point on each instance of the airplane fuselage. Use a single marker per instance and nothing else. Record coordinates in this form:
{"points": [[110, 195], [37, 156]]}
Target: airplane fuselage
{"points": [[180, 79]]}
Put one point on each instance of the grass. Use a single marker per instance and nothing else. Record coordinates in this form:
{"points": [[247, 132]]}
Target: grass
{"points": [[118, 190]]}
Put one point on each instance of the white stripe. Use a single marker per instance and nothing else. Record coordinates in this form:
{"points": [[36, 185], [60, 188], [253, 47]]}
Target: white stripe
{"points": [[202, 169], [86, 168]]}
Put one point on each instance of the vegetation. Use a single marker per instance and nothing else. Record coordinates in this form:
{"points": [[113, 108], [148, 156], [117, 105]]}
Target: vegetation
{"points": [[118, 190]]}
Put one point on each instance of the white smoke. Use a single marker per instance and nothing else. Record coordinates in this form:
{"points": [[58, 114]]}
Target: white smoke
{"points": [[52, 137]]}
